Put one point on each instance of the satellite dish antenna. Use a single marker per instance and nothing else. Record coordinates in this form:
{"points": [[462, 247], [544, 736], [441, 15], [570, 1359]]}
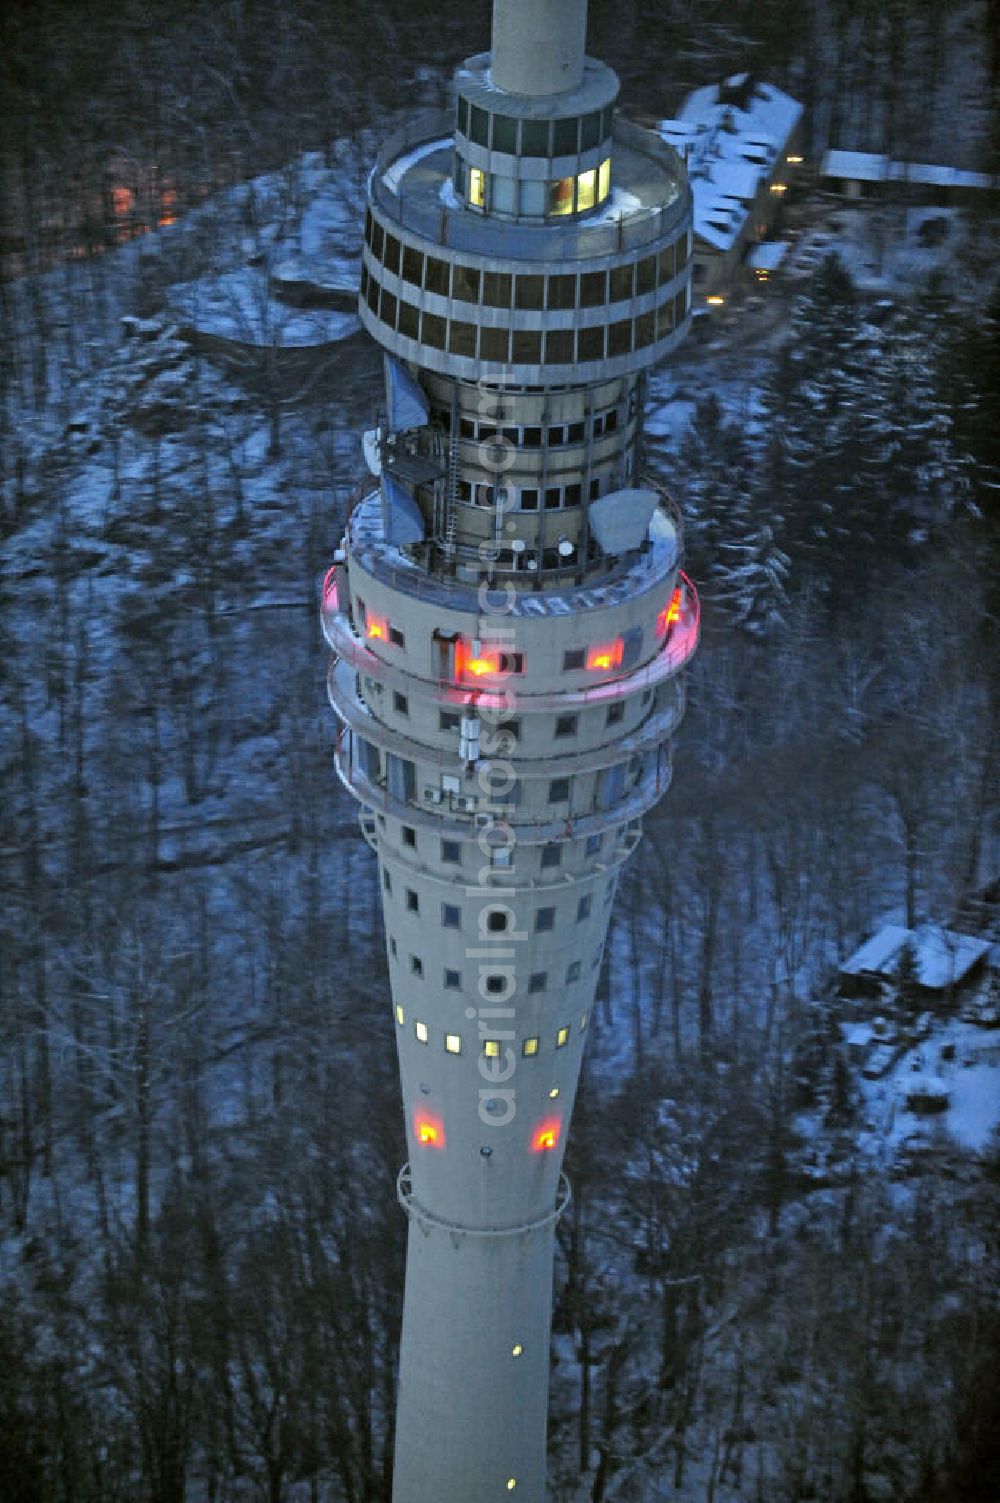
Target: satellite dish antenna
{"points": [[566, 548], [518, 545], [532, 563]]}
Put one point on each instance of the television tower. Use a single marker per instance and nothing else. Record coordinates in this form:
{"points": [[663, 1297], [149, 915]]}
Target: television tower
{"points": [[509, 624]]}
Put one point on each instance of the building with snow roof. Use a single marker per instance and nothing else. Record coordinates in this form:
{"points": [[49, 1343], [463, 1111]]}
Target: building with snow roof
{"points": [[866, 174], [945, 960], [742, 140]]}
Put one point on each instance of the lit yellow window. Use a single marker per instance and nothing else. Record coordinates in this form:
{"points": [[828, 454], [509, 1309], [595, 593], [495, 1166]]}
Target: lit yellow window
{"points": [[420, 1029], [604, 180], [511, 1484], [586, 185], [562, 1037], [491, 1048], [477, 187], [516, 1349], [561, 196], [453, 1043], [554, 1093], [400, 1016], [530, 1047]]}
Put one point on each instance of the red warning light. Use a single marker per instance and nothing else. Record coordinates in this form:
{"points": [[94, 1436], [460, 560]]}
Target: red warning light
{"points": [[546, 1136], [609, 655], [428, 1130]]}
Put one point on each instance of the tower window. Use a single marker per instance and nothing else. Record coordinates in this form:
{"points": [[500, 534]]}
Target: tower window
{"points": [[465, 283], [479, 126], [529, 1047], [436, 276], [412, 901], [497, 286], [409, 836], [453, 981], [396, 637], [420, 1030], [432, 330], [573, 971], [593, 289], [400, 1015], [590, 130], [566, 725], [590, 343], [573, 657], [529, 292], [494, 344], [593, 844], [386, 879], [565, 136], [559, 347], [561, 196], [496, 985], [453, 1043], [451, 916], [462, 339], [583, 908], [529, 499], [559, 791], [491, 1048], [551, 855], [400, 703], [392, 947], [545, 920], [534, 138], [392, 254], [416, 965], [451, 851], [538, 981], [562, 292], [616, 713], [586, 189], [562, 1038], [477, 187], [527, 347], [409, 320], [413, 265], [505, 134], [497, 921]]}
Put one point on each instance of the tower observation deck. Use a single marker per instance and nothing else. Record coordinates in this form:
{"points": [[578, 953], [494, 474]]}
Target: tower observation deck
{"points": [[509, 624]]}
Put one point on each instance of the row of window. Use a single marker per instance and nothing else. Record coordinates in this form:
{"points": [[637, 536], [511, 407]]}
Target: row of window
{"points": [[533, 138], [491, 1048], [565, 726], [498, 986], [527, 497], [554, 436], [498, 193], [498, 920], [522, 346], [451, 850], [563, 291]]}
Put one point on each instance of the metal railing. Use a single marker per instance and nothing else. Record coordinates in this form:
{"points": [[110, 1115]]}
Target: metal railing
{"points": [[412, 1207], [484, 235]]}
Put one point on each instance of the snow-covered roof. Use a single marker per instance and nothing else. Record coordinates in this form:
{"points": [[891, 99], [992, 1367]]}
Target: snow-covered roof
{"points": [[868, 167], [942, 955], [730, 134]]}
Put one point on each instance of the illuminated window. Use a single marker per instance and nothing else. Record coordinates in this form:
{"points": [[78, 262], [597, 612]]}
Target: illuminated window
{"points": [[586, 189], [428, 1129], [377, 629], [400, 1015], [606, 656], [554, 1093], [511, 1484], [562, 1038], [516, 1349], [561, 196], [477, 187], [491, 1048], [453, 1043], [420, 1029], [671, 613], [529, 1047], [546, 1135], [604, 180]]}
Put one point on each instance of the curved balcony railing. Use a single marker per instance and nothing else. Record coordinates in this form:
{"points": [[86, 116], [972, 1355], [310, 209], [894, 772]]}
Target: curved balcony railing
{"points": [[364, 539], [486, 235], [676, 651], [342, 691], [412, 1207], [447, 820]]}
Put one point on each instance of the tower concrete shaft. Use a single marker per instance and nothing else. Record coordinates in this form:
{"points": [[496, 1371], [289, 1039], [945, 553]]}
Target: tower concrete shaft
{"points": [[509, 626]]}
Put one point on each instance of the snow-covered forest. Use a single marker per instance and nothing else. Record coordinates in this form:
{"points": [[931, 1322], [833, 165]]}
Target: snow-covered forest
{"points": [[773, 1284]]}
